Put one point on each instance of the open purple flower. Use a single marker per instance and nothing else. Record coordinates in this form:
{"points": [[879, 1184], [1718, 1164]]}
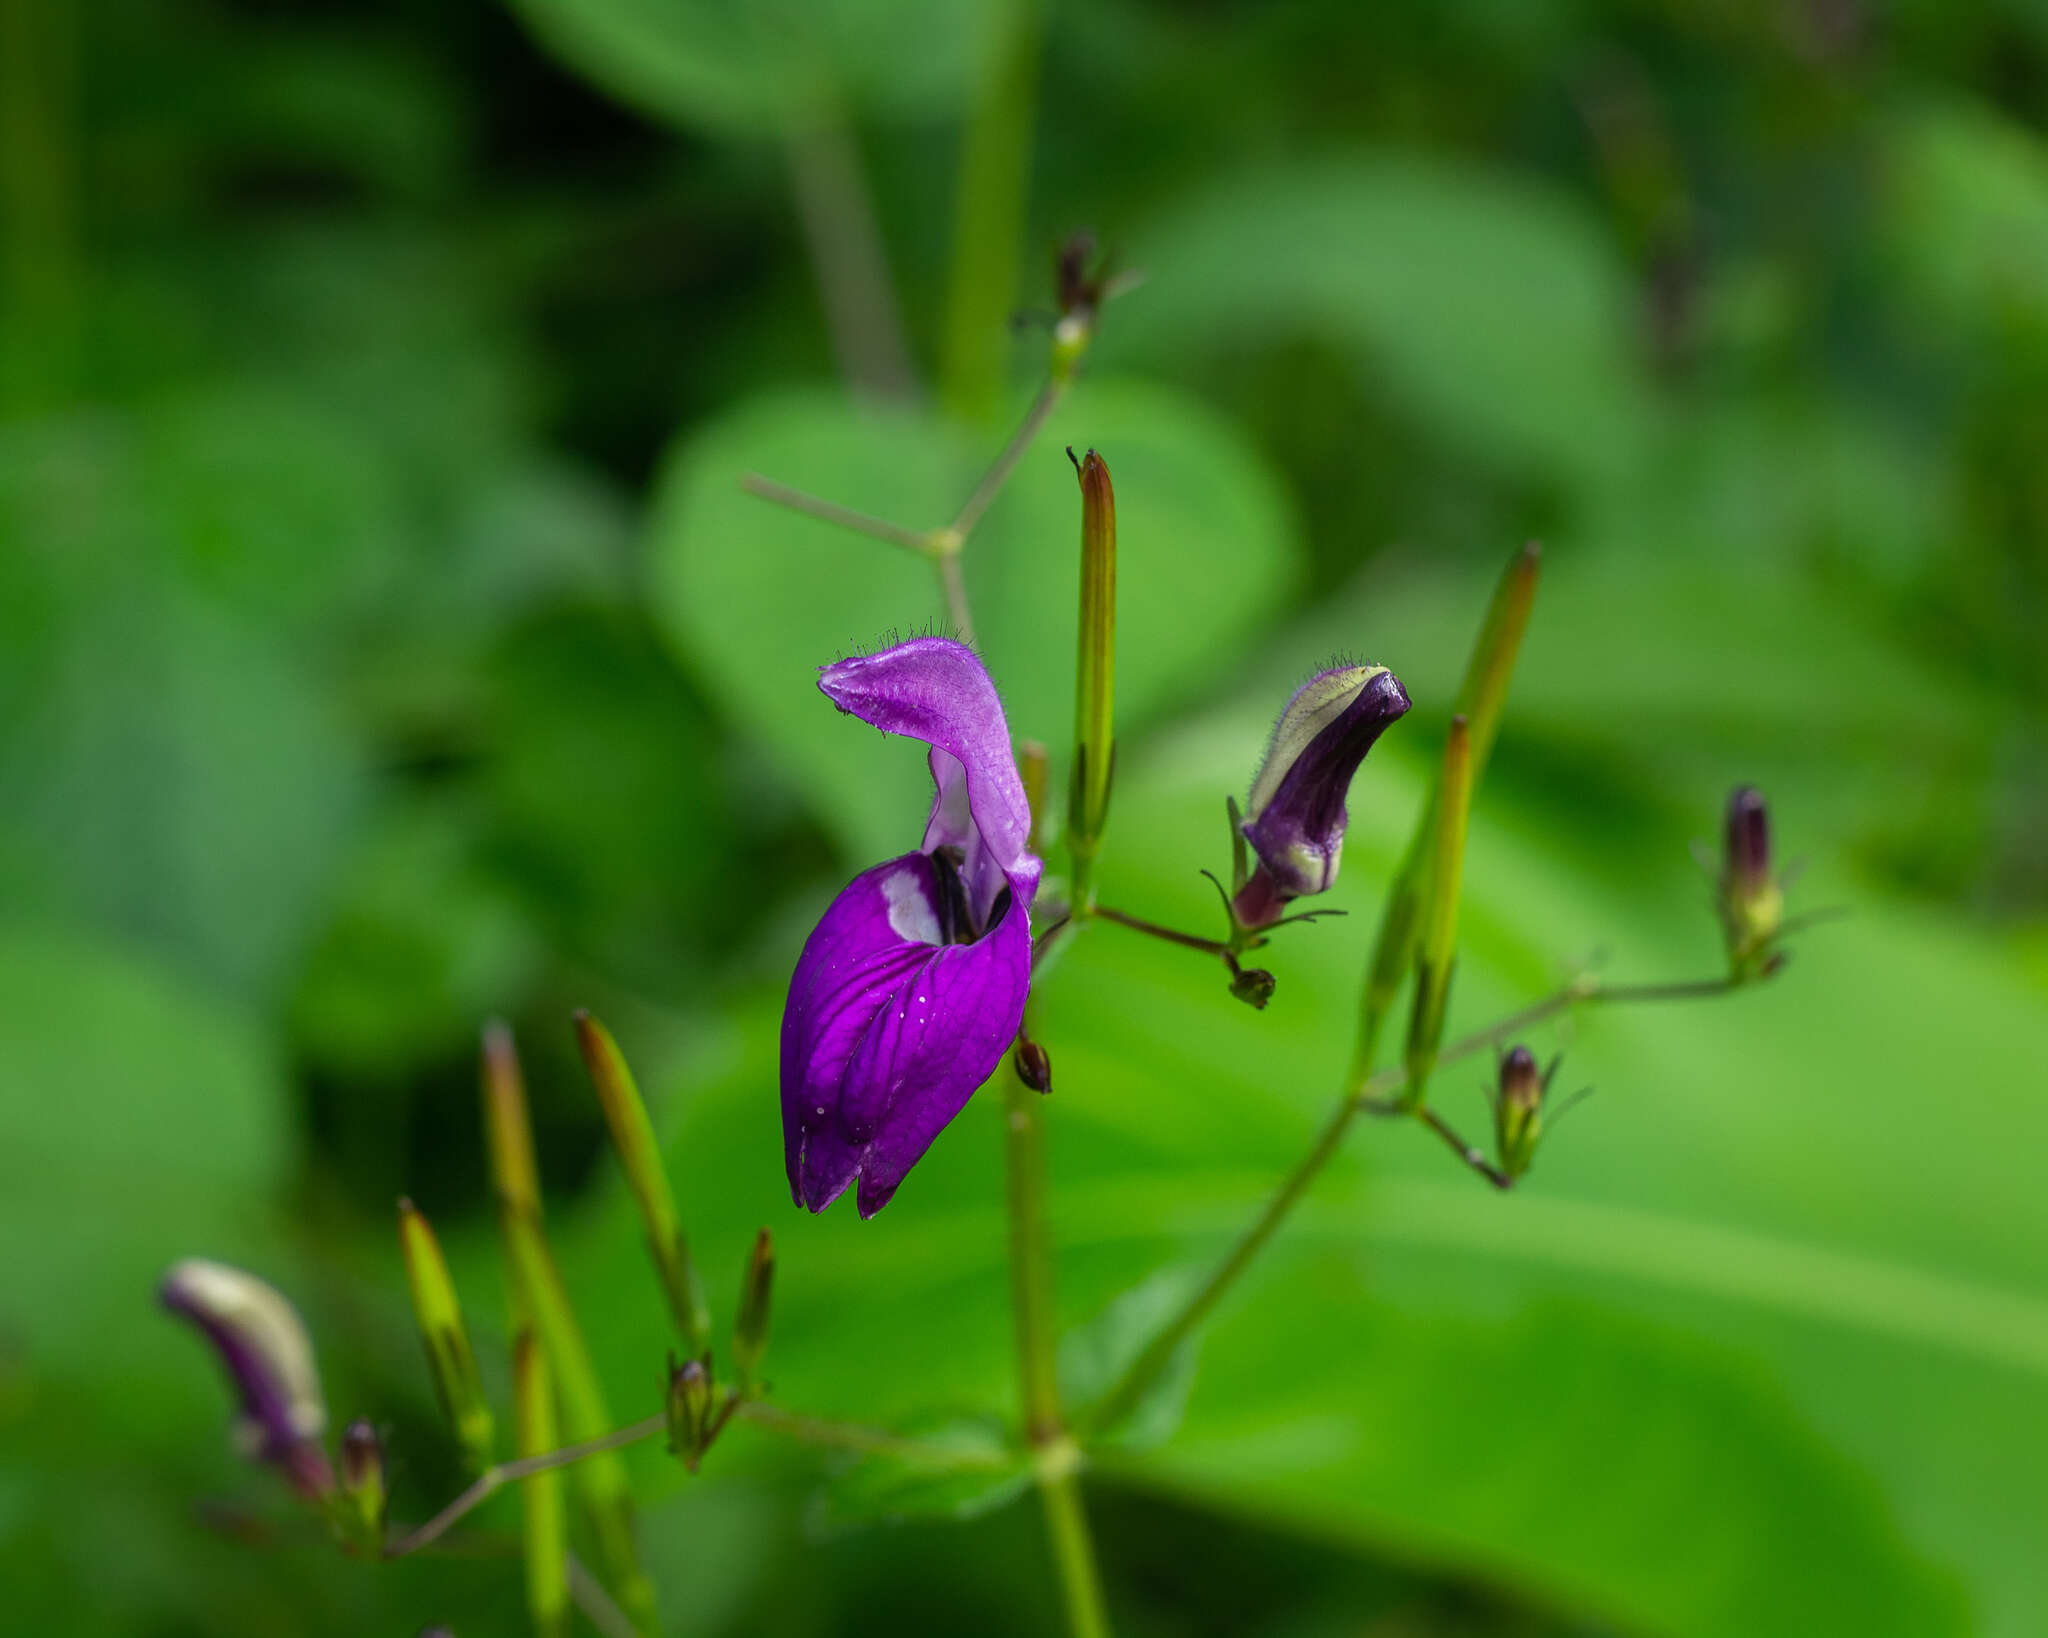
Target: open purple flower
{"points": [[912, 986]]}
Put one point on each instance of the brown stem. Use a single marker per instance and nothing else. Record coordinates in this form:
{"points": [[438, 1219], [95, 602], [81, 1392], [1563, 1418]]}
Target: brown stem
{"points": [[1188, 941]]}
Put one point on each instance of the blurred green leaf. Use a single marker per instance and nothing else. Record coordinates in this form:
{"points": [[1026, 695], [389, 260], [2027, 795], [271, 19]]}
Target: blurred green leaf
{"points": [[1093, 1357], [757, 597], [140, 1120], [1967, 198], [762, 66], [1491, 305], [962, 1470]]}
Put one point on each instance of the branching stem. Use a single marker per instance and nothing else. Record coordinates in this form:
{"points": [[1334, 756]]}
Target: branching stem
{"points": [[1379, 1095]]}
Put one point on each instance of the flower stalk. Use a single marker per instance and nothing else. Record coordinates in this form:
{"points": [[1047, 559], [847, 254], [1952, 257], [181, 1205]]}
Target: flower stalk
{"points": [[542, 1503]]}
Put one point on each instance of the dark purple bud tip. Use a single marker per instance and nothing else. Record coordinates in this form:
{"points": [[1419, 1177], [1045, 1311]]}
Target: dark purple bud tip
{"points": [[1079, 284], [1752, 901], [1749, 838], [689, 1408], [1521, 1082], [362, 1456], [1034, 1065], [1253, 986], [1518, 1111], [1295, 816]]}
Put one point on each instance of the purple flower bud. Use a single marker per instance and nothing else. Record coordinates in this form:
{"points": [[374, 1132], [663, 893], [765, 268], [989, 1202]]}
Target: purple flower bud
{"points": [[1295, 816], [1034, 1065], [1749, 838], [911, 988], [689, 1409], [1518, 1110], [1752, 901], [360, 1511], [269, 1360]]}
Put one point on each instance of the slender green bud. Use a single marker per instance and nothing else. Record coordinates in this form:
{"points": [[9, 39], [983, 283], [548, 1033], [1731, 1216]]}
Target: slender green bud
{"points": [[507, 1129], [1439, 913], [1034, 767], [1484, 691], [1095, 681], [450, 1359], [633, 1137], [1518, 1110], [750, 1330], [361, 1503], [689, 1409], [1482, 697], [541, 1494]]}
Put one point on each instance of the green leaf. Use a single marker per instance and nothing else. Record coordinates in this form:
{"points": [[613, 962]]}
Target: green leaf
{"points": [[958, 1470], [757, 597], [140, 1121], [1094, 1357], [1490, 305], [757, 67]]}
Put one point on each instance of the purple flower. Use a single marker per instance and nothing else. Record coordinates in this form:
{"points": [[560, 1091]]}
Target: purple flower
{"points": [[912, 986], [1295, 817], [269, 1360]]}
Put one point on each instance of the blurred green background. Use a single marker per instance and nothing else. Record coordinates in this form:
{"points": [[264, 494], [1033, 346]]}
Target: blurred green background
{"points": [[385, 643]]}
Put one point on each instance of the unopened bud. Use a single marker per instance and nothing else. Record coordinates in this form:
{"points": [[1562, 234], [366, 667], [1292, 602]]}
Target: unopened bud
{"points": [[625, 1114], [1253, 986], [1034, 1065], [1079, 291], [269, 1360], [1752, 901], [360, 1509], [450, 1360], [750, 1331], [1295, 816], [1518, 1110], [689, 1409], [1095, 680]]}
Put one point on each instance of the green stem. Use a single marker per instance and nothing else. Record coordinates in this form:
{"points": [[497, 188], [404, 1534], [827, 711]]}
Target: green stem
{"points": [[1031, 1265], [815, 506], [1073, 1549], [953, 583], [1057, 1458], [988, 215], [1005, 463], [845, 241], [1137, 924], [493, 1479]]}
